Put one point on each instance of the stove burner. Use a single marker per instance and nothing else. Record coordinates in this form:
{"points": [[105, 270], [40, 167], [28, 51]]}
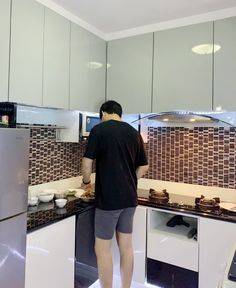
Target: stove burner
{"points": [[160, 197], [205, 204]]}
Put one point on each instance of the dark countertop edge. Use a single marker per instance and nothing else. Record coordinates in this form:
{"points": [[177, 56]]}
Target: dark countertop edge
{"points": [[77, 211], [29, 230], [195, 213]]}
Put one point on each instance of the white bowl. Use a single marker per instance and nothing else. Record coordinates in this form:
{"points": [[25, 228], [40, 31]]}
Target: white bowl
{"points": [[60, 202], [32, 201], [45, 197]]}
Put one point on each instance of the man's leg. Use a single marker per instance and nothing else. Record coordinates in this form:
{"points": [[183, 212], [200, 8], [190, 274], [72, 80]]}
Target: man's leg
{"points": [[124, 241], [104, 262]]}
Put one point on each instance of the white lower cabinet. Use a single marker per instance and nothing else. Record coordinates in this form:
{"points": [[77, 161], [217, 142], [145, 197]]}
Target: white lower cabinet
{"points": [[139, 246], [171, 244], [50, 256], [217, 239]]}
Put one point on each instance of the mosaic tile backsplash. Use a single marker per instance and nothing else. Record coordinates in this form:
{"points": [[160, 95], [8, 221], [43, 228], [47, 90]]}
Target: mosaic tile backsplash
{"points": [[203, 156], [51, 160]]}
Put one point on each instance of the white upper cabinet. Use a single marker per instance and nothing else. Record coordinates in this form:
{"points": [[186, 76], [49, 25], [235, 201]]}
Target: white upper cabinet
{"points": [[26, 66], [129, 72], [225, 64], [56, 60], [4, 48], [97, 73], [182, 79], [87, 70]]}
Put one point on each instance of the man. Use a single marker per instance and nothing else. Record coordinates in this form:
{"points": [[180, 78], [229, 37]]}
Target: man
{"points": [[120, 160]]}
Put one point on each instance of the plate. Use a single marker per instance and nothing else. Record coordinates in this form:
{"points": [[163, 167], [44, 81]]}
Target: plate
{"points": [[78, 192], [87, 199], [228, 206]]}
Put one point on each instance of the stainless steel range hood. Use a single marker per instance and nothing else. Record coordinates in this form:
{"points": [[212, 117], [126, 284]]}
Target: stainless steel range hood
{"points": [[190, 117]]}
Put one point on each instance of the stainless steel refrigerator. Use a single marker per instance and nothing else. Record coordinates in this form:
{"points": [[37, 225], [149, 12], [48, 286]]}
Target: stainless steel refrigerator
{"points": [[14, 162]]}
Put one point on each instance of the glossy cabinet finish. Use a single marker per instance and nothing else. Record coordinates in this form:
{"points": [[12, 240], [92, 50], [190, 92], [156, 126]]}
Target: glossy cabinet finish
{"points": [[4, 47], [182, 79], [56, 60], [129, 73], [97, 73], [26, 68], [50, 255], [139, 246], [217, 239], [225, 64], [87, 70]]}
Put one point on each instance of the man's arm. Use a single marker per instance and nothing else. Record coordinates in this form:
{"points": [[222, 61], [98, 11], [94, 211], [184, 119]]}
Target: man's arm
{"points": [[87, 166], [141, 170]]}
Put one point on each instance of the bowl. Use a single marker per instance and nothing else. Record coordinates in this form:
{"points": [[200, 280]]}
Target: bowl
{"points": [[61, 194], [45, 197], [32, 201], [60, 202]]}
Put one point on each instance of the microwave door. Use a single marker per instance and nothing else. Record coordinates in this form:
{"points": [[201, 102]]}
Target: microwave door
{"points": [[14, 161]]}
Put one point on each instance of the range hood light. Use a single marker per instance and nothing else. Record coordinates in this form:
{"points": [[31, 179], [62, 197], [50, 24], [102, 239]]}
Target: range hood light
{"points": [[206, 49]]}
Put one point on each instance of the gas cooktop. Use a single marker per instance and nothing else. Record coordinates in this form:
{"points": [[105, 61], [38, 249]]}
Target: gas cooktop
{"points": [[199, 206]]}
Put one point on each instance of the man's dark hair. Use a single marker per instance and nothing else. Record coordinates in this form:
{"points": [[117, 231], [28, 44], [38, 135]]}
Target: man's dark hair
{"points": [[111, 107]]}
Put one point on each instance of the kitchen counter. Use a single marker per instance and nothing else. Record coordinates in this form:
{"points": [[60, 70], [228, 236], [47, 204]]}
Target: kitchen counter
{"points": [[224, 216], [47, 213]]}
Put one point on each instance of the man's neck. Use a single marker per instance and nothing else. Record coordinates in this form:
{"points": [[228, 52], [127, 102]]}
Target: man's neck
{"points": [[113, 117]]}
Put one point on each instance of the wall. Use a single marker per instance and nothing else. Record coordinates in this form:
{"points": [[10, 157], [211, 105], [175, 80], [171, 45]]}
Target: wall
{"points": [[50, 160], [201, 155]]}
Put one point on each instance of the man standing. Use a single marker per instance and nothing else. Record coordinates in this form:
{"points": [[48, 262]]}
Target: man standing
{"points": [[120, 160]]}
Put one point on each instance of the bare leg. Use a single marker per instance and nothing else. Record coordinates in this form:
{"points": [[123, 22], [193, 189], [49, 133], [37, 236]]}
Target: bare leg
{"points": [[104, 261], [126, 258]]}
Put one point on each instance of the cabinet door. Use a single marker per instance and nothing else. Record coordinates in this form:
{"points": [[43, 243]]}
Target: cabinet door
{"points": [[97, 73], [87, 70], [225, 64], [182, 79], [56, 60], [4, 48], [217, 239], [139, 246], [129, 76], [50, 256], [26, 52]]}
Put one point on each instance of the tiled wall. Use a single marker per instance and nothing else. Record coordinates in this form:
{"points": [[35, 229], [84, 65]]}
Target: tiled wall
{"points": [[203, 156], [51, 160]]}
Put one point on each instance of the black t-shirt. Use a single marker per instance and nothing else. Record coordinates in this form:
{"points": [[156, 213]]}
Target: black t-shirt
{"points": [[118, 149]]}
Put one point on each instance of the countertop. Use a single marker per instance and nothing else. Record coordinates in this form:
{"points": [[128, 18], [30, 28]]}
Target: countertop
{"points": [[224, 216], [47, 213]]}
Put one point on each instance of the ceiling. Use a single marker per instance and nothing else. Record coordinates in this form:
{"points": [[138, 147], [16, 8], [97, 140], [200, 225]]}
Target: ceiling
{"points": [[110, 16]]}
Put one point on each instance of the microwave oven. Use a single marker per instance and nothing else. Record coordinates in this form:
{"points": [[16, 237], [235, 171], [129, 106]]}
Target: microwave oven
{"points": [[88, 121]]}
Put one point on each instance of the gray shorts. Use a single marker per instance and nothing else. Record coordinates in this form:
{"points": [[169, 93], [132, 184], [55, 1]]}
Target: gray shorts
{"points": [[107, 221]]}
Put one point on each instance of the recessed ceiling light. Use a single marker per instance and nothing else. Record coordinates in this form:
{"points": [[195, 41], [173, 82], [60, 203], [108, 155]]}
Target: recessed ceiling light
{"points": [[192, 120], [108, 65], [166, 119], [206, 49]]}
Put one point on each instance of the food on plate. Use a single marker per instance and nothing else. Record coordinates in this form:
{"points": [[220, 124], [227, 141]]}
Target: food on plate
{"points": [[90, 193]]}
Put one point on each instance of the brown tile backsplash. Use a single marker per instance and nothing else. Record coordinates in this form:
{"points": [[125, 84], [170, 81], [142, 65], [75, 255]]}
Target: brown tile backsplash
{"points": [[203, 156], [50, 160]]}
